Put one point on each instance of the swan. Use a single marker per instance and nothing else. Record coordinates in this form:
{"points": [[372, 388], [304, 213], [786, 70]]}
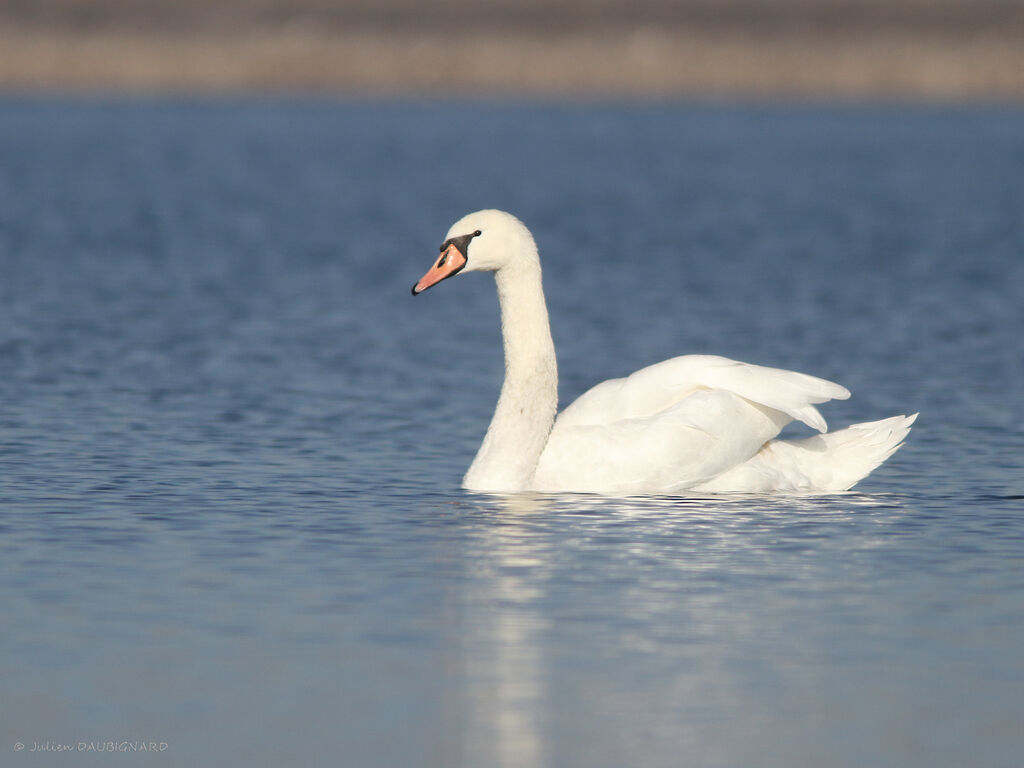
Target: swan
{"points": [[696, 423]]}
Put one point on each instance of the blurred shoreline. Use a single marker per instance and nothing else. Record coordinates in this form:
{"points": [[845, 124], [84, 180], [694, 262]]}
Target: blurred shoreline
{"points": [[946, 50]]}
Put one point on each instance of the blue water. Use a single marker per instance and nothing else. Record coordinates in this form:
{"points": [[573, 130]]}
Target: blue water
{"points": [[231, 441]]}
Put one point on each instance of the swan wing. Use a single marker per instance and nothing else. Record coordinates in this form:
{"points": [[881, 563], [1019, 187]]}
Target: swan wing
{"points": [[685, 446], [658, 387], [675, 425]]}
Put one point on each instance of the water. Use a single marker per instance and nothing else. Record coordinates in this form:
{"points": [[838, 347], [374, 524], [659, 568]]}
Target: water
{"points": [[231, 442]]}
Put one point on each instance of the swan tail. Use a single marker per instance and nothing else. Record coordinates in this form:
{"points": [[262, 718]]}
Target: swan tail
{"points": [[834, 461]]}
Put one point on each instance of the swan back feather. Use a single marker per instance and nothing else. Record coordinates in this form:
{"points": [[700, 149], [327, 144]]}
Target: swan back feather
{"points": [[657, 387]]}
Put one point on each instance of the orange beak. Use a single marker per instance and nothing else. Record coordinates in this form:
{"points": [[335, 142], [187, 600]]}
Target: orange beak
{"points": [[450, 262]]}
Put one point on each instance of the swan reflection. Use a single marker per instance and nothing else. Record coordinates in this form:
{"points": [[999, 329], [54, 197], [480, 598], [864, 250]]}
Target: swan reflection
{"points": [[542, 572], [502, 651]]}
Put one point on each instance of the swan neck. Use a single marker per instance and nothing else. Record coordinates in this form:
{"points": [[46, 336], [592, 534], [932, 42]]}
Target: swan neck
{"points": [[525, 329], [522, 420]]}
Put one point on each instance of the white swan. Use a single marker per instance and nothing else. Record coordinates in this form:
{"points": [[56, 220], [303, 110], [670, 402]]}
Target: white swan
{"points": [[692, 423]]}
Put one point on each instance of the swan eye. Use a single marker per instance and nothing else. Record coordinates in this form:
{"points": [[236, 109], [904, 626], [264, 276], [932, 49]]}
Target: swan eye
{"points": [[477, 233]]}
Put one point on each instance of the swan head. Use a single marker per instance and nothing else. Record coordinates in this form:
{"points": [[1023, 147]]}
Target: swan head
{"points": [[485, 241]]}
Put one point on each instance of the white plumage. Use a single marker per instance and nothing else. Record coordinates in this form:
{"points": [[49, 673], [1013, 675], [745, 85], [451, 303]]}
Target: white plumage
{"points": [[696, 423]]}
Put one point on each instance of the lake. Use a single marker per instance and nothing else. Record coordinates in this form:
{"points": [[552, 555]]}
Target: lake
{"points": [[231, 443]]}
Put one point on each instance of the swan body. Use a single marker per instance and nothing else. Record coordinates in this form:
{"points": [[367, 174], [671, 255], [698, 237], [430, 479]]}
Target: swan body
{"points": [[696, 423]]}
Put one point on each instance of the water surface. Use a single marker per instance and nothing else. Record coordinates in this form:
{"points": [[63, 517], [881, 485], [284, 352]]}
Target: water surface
{"points": [[231, 442]]}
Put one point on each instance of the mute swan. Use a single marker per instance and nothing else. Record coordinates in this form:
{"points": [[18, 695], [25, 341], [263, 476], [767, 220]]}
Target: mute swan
{"points": [[693, 423]]}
